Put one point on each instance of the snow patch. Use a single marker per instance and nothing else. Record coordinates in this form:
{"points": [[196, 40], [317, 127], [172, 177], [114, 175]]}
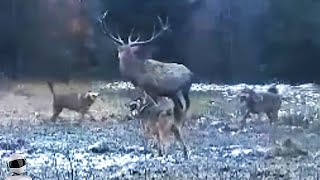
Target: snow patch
{"points": [[282, 88]]}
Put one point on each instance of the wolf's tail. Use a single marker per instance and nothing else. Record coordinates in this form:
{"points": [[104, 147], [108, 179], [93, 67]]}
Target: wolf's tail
{"points": [[50, 85]]}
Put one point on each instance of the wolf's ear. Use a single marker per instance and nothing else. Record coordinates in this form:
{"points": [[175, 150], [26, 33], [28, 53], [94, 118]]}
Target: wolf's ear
{"points": [[92, 95], [143, 100]]}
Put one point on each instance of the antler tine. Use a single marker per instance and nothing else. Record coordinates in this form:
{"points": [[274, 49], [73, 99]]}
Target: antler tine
{"points": [[138, 38], [106, 30], [119, 38], [164, 27], [129, 37], [135, 41], [153, 31]]}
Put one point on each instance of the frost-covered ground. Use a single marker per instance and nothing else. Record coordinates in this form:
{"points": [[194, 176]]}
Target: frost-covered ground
{"points": [[114, 147]]}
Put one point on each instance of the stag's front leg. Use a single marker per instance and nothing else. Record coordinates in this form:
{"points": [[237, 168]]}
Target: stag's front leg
{"points": [[177, 134]]}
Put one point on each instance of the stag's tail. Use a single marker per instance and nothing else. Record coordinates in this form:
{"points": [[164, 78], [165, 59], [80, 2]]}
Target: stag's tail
{"points": [[273, 89], [50, 85]]}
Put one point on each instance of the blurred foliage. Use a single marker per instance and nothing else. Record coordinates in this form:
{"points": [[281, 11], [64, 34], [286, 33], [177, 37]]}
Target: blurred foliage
{"points": [[224, 41], [293, 40]]}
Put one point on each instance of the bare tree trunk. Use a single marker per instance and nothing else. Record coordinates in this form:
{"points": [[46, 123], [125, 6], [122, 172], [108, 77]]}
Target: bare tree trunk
{"points": [[230, 55], [18, 55]]}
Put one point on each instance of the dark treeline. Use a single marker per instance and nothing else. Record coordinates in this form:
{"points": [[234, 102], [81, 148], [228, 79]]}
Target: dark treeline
{"points": [[222, 41]]}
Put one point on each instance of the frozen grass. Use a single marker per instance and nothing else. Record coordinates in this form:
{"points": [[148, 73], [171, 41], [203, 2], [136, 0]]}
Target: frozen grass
{"points": [[216, 153]]}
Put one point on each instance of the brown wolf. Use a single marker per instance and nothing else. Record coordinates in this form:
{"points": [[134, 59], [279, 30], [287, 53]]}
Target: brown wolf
{"points": [[268, 102], [79, 102], [157, 119]]}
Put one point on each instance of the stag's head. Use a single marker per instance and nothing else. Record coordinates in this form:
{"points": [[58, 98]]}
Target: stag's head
{"points": [[131, 50]]}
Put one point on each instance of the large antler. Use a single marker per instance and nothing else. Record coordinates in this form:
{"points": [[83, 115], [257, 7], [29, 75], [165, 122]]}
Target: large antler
{"points": [[107, 32], [164, 27]]}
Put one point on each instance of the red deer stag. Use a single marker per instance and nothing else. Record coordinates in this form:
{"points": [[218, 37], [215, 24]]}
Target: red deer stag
{"points": [[156, 79]]}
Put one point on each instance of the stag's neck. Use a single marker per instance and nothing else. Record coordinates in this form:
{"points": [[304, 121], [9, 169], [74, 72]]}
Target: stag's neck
{"points": [[131, 68]]}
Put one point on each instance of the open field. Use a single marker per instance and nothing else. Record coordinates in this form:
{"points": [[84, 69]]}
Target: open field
{"points": [[114, 148]]}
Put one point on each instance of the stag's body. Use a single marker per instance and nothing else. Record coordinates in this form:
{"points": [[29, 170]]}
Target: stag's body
{"points": [[156, 78], [157, 120], [268, 102]]}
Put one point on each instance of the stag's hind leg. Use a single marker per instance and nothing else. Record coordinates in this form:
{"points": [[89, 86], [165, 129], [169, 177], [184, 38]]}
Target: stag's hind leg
{"points": [[178, 98], [185, 93], [187, 99], [177, 134], [178, 110]]}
